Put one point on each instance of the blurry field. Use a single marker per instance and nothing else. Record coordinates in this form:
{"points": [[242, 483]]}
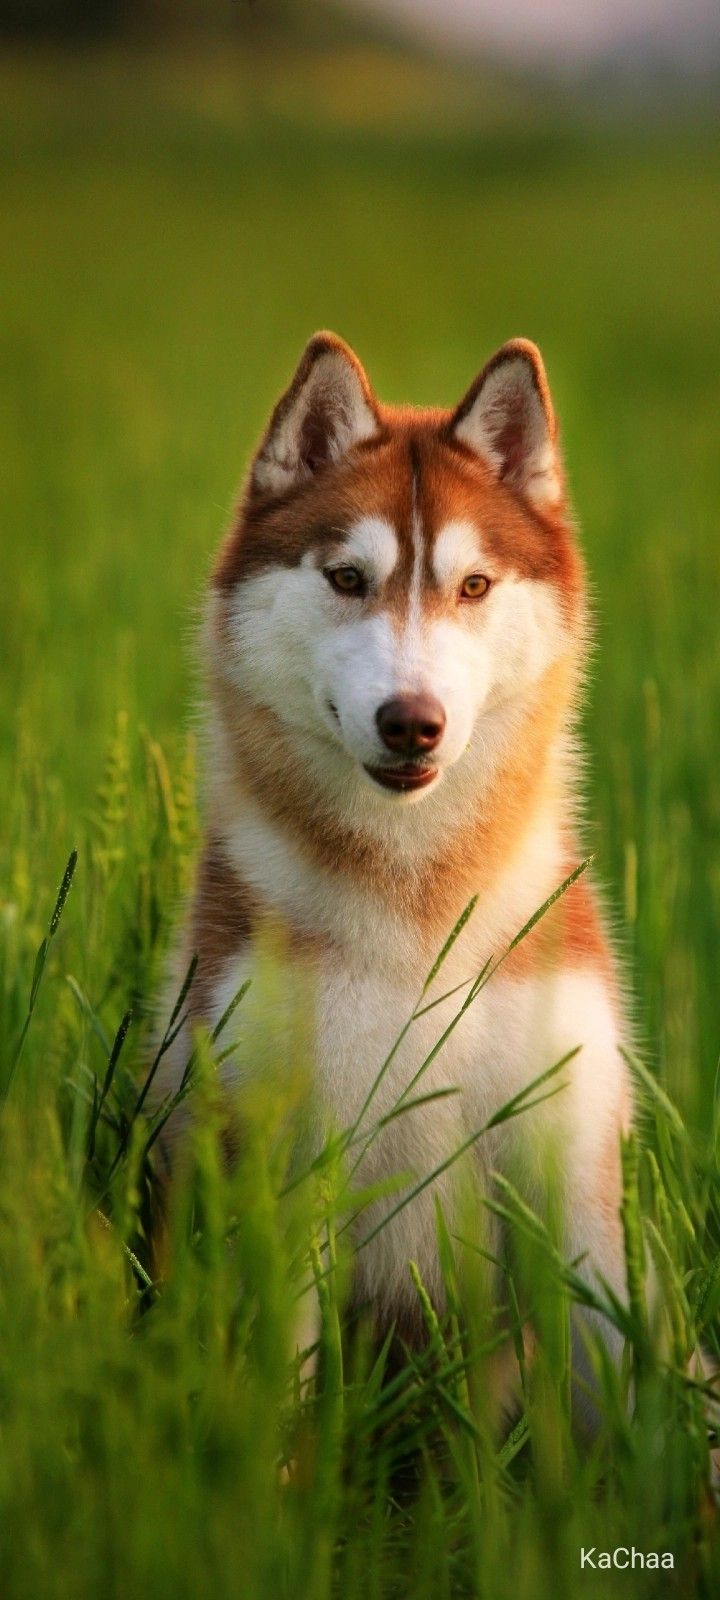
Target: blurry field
{"points": [[169, 243]]}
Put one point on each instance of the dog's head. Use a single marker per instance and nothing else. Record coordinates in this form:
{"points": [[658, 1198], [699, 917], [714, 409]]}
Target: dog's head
{"points": [[396, 577]]}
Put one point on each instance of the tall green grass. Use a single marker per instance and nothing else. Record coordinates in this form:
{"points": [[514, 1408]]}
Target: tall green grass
{"points": [[168, 257], [158, 1430]]}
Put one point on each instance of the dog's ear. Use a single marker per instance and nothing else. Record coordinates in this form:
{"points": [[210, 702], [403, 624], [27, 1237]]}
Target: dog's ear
{"points": [[507, 418], [328, 408]]}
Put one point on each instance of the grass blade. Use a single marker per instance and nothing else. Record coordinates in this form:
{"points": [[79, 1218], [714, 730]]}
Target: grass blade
{"points": [[41, 959]]}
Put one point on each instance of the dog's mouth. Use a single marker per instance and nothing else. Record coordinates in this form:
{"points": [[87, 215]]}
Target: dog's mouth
{"points": [[402, 780]]}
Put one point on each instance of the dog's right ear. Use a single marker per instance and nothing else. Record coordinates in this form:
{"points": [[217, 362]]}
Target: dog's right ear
{"points": [[328, 408], [507, 418]]}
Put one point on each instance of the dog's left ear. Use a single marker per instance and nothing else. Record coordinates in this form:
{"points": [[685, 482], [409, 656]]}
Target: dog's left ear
{"points": [[507, 418], [328, 408]]}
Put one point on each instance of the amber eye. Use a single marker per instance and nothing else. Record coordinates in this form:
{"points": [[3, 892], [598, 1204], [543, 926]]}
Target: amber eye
{"points": [[347, 580], [474, 587]]}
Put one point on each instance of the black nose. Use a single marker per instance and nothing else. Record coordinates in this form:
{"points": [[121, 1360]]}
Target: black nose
{"points": [[411, 723]]}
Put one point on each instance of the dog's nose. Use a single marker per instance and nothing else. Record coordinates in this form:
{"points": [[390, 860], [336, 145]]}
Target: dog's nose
{"points": [[411, 723]]}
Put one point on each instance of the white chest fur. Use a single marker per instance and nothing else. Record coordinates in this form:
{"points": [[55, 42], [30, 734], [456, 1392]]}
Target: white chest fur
{"points": [[364, 984]]}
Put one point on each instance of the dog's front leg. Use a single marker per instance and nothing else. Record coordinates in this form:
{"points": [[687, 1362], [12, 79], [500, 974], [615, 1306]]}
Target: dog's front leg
{"points": [[594, 1244]]}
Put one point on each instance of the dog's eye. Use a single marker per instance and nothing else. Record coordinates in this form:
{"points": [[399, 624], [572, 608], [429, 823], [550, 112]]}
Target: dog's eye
{"points": [[346, 580], [474, 587]]}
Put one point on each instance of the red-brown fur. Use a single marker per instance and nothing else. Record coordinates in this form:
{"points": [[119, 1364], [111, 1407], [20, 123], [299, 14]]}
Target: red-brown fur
{"points": [[414, 447], [434, 893]]}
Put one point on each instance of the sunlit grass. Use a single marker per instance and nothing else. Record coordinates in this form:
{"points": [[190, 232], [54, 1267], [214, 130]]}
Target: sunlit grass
{"points": [[154, 1418]]}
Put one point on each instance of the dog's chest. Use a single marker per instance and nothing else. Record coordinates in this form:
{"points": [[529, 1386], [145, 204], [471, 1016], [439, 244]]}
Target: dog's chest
{"points": [[379, 1041], [423, 1091], [381, 1044], [416, 1076]]}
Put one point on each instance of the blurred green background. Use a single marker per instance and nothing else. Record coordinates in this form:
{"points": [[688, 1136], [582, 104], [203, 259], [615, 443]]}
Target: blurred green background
{"points": [[184, 205]]}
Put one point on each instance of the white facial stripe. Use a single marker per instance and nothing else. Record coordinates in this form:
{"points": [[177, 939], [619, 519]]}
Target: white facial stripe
{"points": [[373, 543], [414, 616], [407, 650], [457, 552]]}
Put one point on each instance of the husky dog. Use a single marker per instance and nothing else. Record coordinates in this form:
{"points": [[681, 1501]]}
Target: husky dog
{"points": [[395, 640]]}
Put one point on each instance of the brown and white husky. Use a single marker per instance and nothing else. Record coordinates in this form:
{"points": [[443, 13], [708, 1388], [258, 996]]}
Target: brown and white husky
{"points": [[395, 642]]}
